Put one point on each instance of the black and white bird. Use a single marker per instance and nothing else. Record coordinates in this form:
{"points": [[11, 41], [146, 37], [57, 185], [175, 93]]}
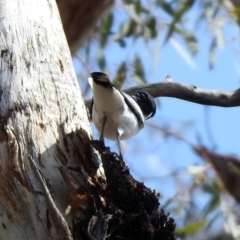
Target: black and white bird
{"points": [[115, 114]]}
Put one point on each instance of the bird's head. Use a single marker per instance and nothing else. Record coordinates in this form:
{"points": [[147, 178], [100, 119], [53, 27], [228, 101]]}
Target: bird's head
{"points": [[102, 79]]}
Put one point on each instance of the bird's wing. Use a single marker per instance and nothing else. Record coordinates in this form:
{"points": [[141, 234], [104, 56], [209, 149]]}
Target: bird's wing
{"points": [[130, 105]]}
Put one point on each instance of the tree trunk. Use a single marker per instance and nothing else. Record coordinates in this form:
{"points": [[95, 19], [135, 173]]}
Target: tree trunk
{"points": [[51, 182], [40, 105]]}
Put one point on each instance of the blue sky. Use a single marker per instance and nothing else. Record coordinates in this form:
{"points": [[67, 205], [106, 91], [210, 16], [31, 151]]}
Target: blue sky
{"points": [[162, 162], [222, 122]]}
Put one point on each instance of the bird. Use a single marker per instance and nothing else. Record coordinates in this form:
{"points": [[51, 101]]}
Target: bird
{"points": [[115, 114]]}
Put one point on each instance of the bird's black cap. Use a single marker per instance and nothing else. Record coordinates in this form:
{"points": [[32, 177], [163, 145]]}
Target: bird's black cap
{"points": [[101, 79], [146, 103]]}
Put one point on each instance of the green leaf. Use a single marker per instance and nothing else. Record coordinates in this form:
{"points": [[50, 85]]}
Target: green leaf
{"points": [[212, 54], [101, 60], [190, 41], [212, 205], [191, 228], [182, 9], [166, 7], [151, 24], [123, 29], [146, 34], [120, 77], [106, 26], [127, 29], [139, 70], [133, 13], [131, 29], [214, 190], [139, 8], [121, 42]]}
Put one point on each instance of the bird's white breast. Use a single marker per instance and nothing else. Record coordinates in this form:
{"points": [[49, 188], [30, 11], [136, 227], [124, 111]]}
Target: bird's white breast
{"points": [[110, 102]]}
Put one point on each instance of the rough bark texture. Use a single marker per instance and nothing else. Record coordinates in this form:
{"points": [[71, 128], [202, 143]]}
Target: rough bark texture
{"points": [[78, 18], [40, 103]]}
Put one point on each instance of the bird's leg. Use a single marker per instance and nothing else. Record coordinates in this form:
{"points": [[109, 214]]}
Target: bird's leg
{"points": [[118, 134], [101, 139]]}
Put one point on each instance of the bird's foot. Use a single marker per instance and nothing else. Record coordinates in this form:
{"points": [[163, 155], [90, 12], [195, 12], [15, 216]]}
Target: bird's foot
{"points": [[101, 139], [121, 160]]}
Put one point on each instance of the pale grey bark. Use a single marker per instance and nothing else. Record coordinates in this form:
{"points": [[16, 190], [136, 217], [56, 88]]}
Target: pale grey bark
{"points": [[40, 103], [191, 93], [188, 93]]}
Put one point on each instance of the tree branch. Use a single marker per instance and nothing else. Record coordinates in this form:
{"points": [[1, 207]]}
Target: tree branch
{"points": [[79, 17], [188, 93]]}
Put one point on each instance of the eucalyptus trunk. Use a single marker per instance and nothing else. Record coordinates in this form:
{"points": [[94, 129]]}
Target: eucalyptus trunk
{"points": [[40, 105]]}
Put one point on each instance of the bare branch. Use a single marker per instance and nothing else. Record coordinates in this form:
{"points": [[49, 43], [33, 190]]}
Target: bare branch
{"points": [[188, 93]]}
